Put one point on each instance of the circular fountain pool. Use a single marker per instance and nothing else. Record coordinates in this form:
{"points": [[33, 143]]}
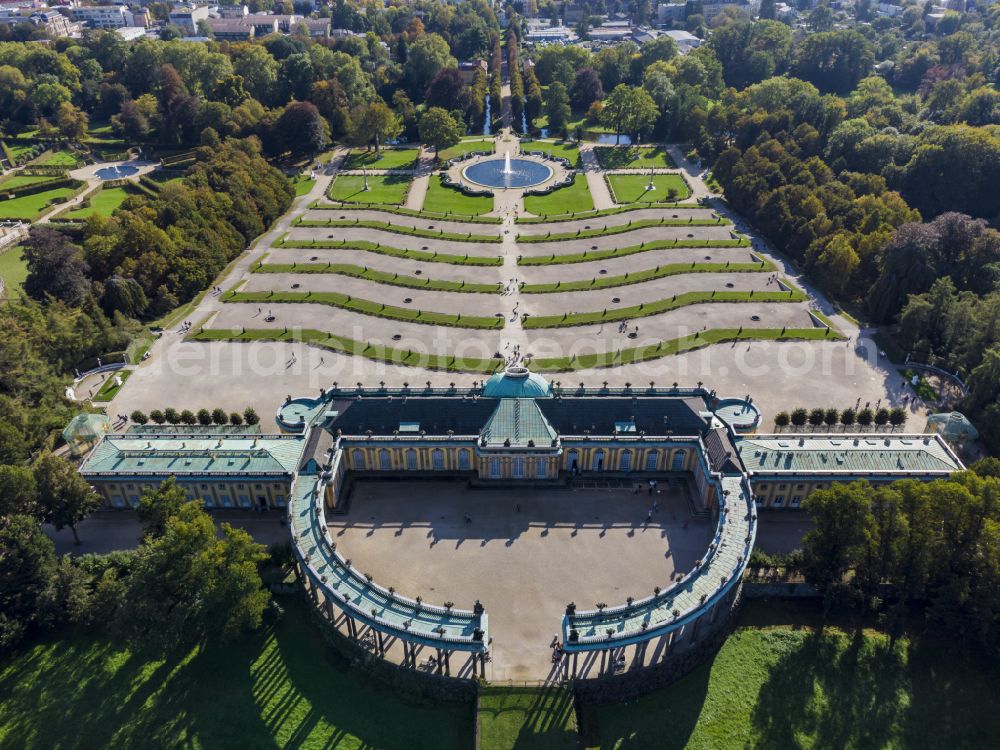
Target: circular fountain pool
{"points": [[116, 172], [510, 173]]}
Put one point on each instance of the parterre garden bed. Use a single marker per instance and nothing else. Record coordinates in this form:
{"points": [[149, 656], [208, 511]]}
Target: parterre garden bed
{"points": [[569, 199], [390, 189], [633, 188]]}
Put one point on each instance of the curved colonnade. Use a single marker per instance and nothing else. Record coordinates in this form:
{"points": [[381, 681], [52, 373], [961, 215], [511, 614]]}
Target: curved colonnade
{"points": [[678, 613], [335, 586]]}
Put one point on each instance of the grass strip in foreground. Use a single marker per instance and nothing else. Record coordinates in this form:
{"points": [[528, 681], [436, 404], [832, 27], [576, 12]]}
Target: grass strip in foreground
{"points": [[381, 277], [619, 252], [656, 307], [527, 718], [649, 274], [398, 229], [622, 228], [670, 347], [282, 686], [426, 256], [368, 307], [344, 345]]}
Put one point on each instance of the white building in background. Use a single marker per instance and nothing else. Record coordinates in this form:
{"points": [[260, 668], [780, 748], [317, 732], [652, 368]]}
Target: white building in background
{"points": [[685, 40], [670, 12], [187, 17], [103, 16]]}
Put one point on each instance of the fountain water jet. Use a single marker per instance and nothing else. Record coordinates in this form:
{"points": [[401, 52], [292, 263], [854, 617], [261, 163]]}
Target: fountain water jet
{"points": [[506, 163]]}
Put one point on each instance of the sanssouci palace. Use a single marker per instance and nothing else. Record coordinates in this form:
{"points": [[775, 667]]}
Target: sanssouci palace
{"points": [[515, 427]]}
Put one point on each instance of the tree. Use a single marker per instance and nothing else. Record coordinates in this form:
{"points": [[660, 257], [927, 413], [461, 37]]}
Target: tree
{"points": [[139, 417], [73, 123], [865, 417], [204, 417], [841, 517], [816, 417], [27, 562], [235, 418], [557, 108], [629, 110], [425, 58], [18, 492], [157, 416], [172, 415], [64, 496], [782, 420], [586, 89], [250, 416], [124, 295], [375, 122], [188, 417], [897, 417], [767, 10], [834, 60], [799, 417], [55, 267], [831, 417], [219, 416], [157, 506], [301, 129], [189, 585], [448, 90], [439, 129], [882, 417]]}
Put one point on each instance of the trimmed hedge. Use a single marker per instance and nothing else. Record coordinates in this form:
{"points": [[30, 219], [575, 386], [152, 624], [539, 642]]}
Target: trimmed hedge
{"points": [[397, 229], [622, 228], [400, 211], [619, 252], [654, 308], [649, 274], [381, 277], [410, 358], [345, 345], [39, 187], [397, 252], [670, 347], [599, 212], [369, 307]]}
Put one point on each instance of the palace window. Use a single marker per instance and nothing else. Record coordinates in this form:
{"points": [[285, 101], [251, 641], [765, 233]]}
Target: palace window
{"points": [[652, 459], [437, 459], [463, 460], [625, 462]]}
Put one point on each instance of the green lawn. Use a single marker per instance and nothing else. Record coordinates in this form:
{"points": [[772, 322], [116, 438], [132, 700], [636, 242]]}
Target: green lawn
{"points": [[632, 188], [18, 150], [370, 307], [103, 203], [799, 688], [465, 146], [109, 390], [29, 206], [283, 688], [526, 718], [391, 158], [13, 271], [19, 180], [575, 197], [443, 199], [627, 157], [569, 151], [389, 189], [381, 277], [303, 184], [57, 159]]}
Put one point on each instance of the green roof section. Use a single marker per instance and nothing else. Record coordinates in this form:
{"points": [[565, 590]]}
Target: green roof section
{"points": [[517, 382], [195, 454], [518, 422], [847, 454]]}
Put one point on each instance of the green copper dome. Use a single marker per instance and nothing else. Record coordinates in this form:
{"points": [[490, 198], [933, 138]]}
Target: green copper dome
{"points": [[517, 382]]}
